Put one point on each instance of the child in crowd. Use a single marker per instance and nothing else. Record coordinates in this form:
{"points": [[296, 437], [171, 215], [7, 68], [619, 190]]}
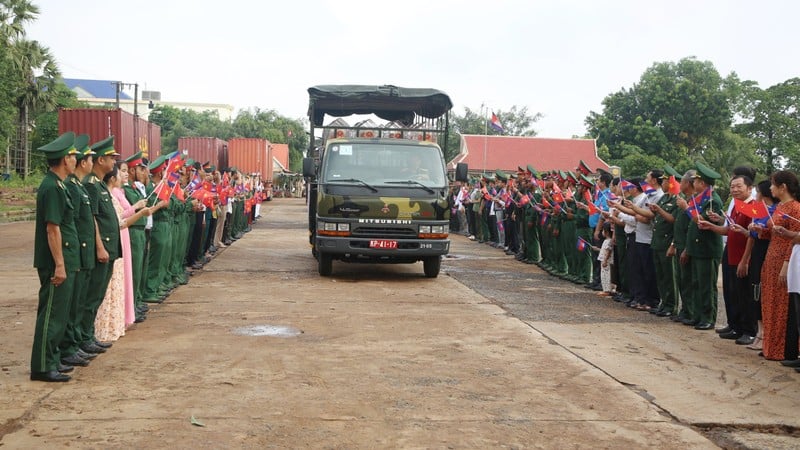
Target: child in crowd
{"points": [[606, 258]]}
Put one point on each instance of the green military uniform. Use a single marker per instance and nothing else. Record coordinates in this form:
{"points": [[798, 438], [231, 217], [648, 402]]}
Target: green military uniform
{"points": [[105, 216], [53, 207], [84, 220], [683, 273], [663, 234], [704, 247], [583, 269], [159, 240], [137, 235]]}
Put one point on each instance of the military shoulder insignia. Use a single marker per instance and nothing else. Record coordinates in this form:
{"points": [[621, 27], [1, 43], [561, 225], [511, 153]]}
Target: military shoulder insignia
{"points": [[60, 184]]}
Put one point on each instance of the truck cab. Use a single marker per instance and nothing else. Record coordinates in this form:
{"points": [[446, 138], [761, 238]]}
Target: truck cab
{"points": [[379, 194]]}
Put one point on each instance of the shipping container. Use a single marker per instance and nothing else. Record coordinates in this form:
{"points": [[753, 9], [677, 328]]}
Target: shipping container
{"points": [[202, 149], [130, 136], [251, 155]]}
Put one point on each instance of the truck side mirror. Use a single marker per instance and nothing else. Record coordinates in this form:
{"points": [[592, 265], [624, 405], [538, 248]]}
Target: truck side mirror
{"points": [[461, 172], [309, 170]]}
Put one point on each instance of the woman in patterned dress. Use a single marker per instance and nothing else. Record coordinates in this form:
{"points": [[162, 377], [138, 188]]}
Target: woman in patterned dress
{"points": [[110, 321], [774, 292]]}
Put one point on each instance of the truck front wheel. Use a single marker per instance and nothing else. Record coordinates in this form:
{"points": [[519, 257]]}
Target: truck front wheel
{"points": [[324, 264], [432, 264]]}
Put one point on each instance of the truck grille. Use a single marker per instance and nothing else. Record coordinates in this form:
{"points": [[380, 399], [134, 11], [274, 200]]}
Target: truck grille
{"points": [[384, 233]]}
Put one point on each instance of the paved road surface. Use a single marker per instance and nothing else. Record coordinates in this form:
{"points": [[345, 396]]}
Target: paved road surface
{"points": [[491, 354]]}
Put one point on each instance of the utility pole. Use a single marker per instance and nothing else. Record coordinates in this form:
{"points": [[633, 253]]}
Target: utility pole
{"points": [[119, 85]]}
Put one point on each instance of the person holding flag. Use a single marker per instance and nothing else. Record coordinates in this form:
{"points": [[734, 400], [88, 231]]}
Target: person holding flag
{"points": [[742, 322], [160, 234], [704, 247], [664, 212], [680, 232], [583, 262], [532, 228], [596, 221], [780, 340]]}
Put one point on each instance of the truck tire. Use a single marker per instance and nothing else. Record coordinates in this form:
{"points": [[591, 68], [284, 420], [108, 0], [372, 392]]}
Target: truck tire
{"points": [[324, 264], [432, 264]]}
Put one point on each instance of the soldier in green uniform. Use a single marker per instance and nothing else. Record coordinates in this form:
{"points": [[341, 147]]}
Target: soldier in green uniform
{"points": [[570, 228], [108, 244], [133, 194], [683, 268], [57, 259], [664, 212], [160, 234], [704, 248], [583, 269], [532, 239], [71, 354]]}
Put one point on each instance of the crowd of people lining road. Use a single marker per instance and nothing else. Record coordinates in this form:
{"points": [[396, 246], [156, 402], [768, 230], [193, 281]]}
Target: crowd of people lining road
{"points": [[114, 236], [656, 244]]}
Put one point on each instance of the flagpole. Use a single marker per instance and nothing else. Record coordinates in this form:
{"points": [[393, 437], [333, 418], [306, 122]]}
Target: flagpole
{"points": [[485, 136]]}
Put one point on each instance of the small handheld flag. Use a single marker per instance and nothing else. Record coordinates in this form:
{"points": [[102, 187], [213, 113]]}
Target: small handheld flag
{"points": [[581, 245], [646, 188], [674, 186], [626, 185]]}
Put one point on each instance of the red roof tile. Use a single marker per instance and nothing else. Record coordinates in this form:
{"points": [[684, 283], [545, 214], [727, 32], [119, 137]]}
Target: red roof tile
{"points": [[508, 152]]}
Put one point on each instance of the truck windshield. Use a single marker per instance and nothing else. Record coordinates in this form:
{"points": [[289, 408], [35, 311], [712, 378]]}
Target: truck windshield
{"points": [[384, 164]]}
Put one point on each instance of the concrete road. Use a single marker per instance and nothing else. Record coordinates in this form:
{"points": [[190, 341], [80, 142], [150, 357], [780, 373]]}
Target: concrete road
{"points": [[264, 353]]}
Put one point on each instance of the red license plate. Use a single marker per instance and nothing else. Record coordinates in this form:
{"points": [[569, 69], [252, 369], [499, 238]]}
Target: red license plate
{"points": [[382, 243]]}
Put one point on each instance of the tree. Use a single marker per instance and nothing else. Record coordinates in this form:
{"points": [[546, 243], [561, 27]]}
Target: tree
{"points": [[774, 124], [675, 112], [516, 122]]}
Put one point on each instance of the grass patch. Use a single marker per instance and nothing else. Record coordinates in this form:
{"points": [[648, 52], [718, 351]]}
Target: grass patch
{"points": [[17, 194]]}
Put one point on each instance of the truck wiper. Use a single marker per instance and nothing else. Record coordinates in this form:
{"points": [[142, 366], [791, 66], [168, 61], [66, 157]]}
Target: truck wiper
{"points": [[427, 189], [356, 180]]}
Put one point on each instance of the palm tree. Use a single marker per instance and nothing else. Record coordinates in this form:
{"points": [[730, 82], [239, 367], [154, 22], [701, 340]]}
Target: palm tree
{"points": [[34, 73], [36, 93]]}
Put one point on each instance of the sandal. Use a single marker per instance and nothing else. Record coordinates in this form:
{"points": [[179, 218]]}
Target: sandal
{"points": [[758, 344]]}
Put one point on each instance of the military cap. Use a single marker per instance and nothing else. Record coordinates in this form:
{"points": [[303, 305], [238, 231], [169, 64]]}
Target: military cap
{"points": [[669, 170], [533, 171], [561, 175], [232, 169], [500, 175], [207, 167], [520, 169], [60, 147], [708, 174], [586, 181], [82, 146], [105, 147], [135, 160], [189, 162], [158, 164], [583, 168], [572, 177]]}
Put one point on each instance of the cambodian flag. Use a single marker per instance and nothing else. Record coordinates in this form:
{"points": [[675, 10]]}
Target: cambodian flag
{"points": [[495, 123], [626, 185], [581, 245], [647, 188]]}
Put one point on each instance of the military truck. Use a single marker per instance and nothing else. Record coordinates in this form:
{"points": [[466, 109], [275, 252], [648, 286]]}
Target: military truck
{"points": [[378, 193]]}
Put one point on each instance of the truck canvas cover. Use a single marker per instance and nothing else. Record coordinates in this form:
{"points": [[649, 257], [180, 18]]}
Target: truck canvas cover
{"points": [[388, 102]]}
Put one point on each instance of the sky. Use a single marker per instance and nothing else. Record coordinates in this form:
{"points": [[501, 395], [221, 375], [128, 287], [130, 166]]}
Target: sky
{"points": [[557, 58]]}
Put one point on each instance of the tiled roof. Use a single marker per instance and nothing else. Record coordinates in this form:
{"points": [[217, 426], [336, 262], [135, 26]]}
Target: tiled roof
{"points": [[280, 153], [96, 88], [509, 152]]}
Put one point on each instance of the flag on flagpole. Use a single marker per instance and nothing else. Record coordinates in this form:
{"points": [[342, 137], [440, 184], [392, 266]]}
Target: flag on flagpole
{"points": [[495, 123]]}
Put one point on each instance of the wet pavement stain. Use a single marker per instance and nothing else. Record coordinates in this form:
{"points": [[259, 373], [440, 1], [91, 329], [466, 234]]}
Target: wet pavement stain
{"points": [[268, 330]]}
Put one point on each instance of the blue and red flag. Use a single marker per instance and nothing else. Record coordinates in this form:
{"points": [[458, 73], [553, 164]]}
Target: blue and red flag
{"points": [[581, 245], [626, 185], [647, 188], [495, 123]]}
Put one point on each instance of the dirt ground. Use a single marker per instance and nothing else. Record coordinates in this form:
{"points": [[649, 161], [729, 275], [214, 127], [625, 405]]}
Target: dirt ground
{"points": [[492, 354]]}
